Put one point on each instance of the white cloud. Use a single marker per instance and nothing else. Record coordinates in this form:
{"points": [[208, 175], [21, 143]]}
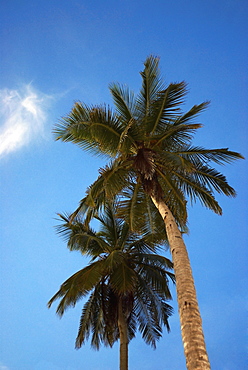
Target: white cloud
{"points": [[22, 117], [3, 367]]}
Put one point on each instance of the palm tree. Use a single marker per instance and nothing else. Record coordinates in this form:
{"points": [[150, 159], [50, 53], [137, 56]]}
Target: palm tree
{"points": [[153, 164], [127, 283]]}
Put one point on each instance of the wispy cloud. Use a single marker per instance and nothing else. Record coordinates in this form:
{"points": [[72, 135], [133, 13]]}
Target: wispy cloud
{"points": [[3, 367], [22, 117]]}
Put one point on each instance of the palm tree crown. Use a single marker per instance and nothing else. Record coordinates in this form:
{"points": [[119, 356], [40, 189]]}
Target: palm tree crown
{"points": [[123, 271], [150, 140]]}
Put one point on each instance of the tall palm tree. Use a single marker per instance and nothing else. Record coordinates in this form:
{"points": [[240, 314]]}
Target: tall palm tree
{"points": [[153, 164], [127, 283]]}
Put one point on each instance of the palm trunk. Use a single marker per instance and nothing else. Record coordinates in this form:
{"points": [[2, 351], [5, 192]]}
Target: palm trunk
{"points": [[122, 325], [190, 318]]}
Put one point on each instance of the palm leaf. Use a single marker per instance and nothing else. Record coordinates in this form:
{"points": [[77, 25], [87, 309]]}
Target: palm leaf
{"points": [[165, 108], [174, 197], [196, 190], [175, 136], [147, 314], [123, 279], [77, 286], [80, 237], [124, 100], [200, 155], [187, 117], [214, 180], [157, 277], [94, 129], [151, 85], [90, 309]]}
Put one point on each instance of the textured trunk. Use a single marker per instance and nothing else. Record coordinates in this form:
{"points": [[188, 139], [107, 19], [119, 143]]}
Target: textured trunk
{"points": [[190, 318], [122, 325]]}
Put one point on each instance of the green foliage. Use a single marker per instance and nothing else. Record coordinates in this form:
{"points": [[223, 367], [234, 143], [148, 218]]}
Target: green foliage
{"points": [[124, 269], [148, 141], [149, 138]]}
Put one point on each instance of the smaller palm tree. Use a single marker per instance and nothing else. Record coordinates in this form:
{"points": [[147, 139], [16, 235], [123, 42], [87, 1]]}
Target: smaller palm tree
{"points": [[127, 283]]}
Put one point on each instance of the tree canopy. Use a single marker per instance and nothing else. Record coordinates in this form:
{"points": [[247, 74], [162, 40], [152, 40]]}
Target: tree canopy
{"points": [[123, 268]]}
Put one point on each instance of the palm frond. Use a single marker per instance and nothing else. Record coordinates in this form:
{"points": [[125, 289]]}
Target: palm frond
{"points": [[150, 242], [166, 107], [176, 136], [81, 237], [151, 85], [95, 129], [110, 226], [168, 161], [136, 207], [114, 260], [214, 180], [124, 100], [128, 206], [90, 310], [112, 179], [189, 116], [93, 203], [132, 326], [80, 113], [148, 307], [173, 197], [153, 260], [77, 286], [157, 277], [200, 155], [123, 279], [195, 189], [115, 177], [125, 235]]}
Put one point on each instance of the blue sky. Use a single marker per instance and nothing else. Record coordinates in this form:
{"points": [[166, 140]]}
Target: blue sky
{"points": [[56, 52]]}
